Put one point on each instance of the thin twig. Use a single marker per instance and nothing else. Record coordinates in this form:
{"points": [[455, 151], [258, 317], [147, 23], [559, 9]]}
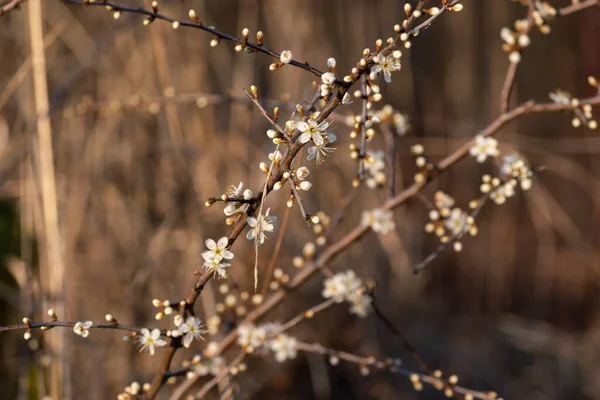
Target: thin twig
{"points": [[11, 5], [509, 80], [570, 9], [66, 324], [366, 362]]}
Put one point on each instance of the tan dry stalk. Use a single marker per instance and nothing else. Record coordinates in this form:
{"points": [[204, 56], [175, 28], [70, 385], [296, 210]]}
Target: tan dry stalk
{"points": [[52, 267]]}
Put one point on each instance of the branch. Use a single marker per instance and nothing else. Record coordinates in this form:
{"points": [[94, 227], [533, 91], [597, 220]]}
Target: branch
{"points": [[65, 324], [355, 234], [11, 5]]}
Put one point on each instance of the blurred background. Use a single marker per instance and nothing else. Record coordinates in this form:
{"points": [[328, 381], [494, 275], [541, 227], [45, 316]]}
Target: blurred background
{"points": [[516, 311]]}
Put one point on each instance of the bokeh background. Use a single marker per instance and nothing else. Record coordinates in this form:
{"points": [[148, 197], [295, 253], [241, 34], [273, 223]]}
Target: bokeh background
{"points": [[516, 311]]}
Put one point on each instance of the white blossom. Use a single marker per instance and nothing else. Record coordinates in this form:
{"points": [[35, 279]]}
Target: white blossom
{"points": [[386, 64], [190, 329], [284, 347], [264, 223], [360, 303], [319, 152], [214, 256], [217, 250], [217, 267], [484, 147], [456, 221], [347, 286], [150, 340], [328, 78], [334, 288], [311, 130], [82, 328], [251, 336], [285, 57], [381, 221]]}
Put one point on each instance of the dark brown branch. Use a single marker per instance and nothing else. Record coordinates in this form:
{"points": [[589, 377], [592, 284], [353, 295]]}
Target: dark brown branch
{"points": [[65, 324]]}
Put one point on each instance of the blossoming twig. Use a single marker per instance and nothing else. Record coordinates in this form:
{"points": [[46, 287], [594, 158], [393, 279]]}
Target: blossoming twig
{"points": [[366, 362], [66, 324], [513, 66]]}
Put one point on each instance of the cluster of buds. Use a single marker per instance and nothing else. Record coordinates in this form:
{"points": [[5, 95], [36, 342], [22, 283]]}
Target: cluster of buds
{"points": [[515, 41], [328, 78], [449, 222], [346, 286], [320, 228], [426, 168], [233, 303], [308, 253], [543, 13], [297, 177], [133, 391], [582, 113], [167, 308]]}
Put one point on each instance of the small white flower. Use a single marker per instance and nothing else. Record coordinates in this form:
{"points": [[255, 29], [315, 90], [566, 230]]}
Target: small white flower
{"points": [[381, 221], [151, 340], [190, 329], [328, 78], [217, 250], [284, 347], [334, 288], [311, 130], [484, 147], [251, 336], [264, 223], [82, 328], [360, 304], [302, 173], [456, 221], [442, 200], [285, 57], [386, 64], [217, 267], [349, 281], [319, 152]]}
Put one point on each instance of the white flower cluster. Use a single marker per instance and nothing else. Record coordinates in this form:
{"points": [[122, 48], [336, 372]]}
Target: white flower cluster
{"points": [[381, 221], [252, 338], [484, 147], [259, 226], [215, 256], [347, 286], [387, 65], [514, 171], [447, 221], [190, 328]]}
